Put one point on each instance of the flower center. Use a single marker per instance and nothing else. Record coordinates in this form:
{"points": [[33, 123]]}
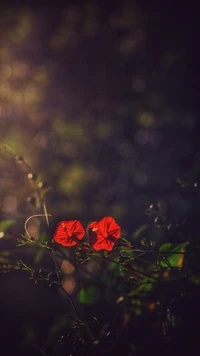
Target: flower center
{"points": [[96, 229]]}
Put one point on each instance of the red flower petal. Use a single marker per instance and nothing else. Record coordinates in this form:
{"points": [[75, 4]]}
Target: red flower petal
{"points": [[104, 234], [68, 233]]}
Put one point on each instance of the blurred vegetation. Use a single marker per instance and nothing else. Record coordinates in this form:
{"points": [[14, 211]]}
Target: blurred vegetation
{"points": [[99, 116]]}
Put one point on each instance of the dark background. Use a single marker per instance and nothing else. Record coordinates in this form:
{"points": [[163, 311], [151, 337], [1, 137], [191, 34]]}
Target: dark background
{"points": [[102, 101]]}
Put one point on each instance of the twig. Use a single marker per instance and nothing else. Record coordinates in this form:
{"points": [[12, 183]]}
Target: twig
{"points": [[30, 217], [71, 301]]}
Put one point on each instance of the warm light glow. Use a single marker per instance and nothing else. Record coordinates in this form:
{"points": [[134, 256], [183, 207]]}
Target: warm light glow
{"points": [[92, 266], [66, 267], [30, 176], [69, 284], [5, 71], [9, 204], [5, 110], [21, 69]]}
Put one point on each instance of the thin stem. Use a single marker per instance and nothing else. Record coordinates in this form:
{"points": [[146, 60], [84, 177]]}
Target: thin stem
{"points": [[170, 253], [130, 268], [137, 257], [42, 351], [71, 301], [60, 284], [76, 266], [30, 217]]}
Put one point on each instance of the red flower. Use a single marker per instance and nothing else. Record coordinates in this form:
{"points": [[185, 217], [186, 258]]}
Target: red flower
{"points": [[104, 234], [68, 233]]}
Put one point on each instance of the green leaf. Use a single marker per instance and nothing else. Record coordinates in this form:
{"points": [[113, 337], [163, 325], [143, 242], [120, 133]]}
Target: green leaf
{"points": [[88, 295], [171, 254], [140, 231], [145, 287], [43, 237], [5, 224]]}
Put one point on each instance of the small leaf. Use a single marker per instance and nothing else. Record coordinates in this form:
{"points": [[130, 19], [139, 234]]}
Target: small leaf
{"points": [[172, 254], [125, 252], [145, 287], [125, 243], [43, 237], [88, 295]]}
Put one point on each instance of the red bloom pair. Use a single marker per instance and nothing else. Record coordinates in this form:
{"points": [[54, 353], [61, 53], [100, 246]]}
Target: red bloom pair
{"points": [[103, 234]]}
